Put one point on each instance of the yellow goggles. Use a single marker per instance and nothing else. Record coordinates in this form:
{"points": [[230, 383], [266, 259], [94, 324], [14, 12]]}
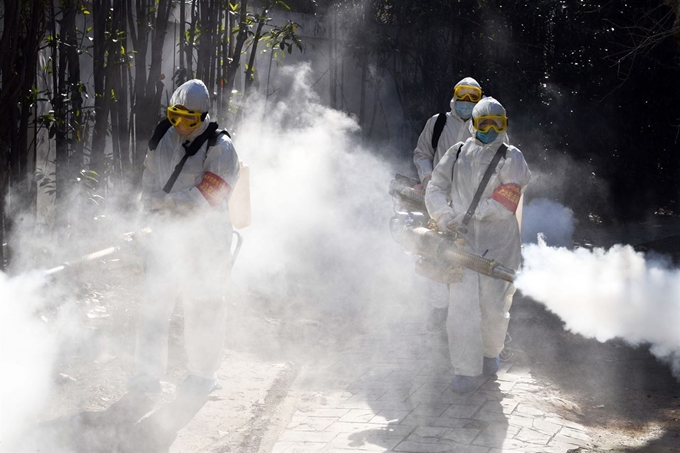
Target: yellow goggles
{"points": [[467, 93], [177, 115], [487, 122]]}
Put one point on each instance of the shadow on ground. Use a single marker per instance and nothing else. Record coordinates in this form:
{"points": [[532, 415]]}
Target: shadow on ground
{"points": [[127, 426]]}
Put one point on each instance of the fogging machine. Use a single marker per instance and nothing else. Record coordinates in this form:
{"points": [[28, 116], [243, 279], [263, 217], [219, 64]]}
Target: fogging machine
{"points": [[443, 255]]}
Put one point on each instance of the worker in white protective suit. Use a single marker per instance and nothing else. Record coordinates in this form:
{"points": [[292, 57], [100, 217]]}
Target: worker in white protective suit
{"points": [[188, 253], [442, 131], [481, 304]]}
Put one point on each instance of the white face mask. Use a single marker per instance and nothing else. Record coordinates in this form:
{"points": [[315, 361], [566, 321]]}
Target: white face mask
{"points": [[464, 109]]}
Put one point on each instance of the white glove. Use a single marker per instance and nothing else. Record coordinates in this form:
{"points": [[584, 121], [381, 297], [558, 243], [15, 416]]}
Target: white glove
{"points": [[420, 188], [444, 221], [156, 201], [459, 218], [426, 181], [456, 224]]}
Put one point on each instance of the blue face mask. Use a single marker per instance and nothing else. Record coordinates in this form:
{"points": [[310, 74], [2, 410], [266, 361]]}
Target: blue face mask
{"points": [[464, 109], [487, 137]]}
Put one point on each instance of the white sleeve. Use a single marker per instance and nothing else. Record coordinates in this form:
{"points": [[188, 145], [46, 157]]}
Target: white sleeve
{"points": [[438, 191], [423, 155]]}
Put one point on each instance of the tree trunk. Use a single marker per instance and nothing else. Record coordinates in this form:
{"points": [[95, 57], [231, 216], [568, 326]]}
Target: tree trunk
{"points": [[250, 71], [181, 77], [214, 39], [227, 55], [139, 33], [116, 86], [101, 96], [61, 119], [8, 52], [332, 61], [148, 90], [362, 96], [190, 44], [205, 46], [23, 30], [77, 125], [122, 104], [235, 62]]}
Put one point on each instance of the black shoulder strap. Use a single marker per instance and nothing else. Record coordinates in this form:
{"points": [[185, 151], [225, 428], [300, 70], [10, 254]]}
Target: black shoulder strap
{"points": [[213, 139], [485, 180], [190, 149], [438, 128], [453, 167], [158, 133]]}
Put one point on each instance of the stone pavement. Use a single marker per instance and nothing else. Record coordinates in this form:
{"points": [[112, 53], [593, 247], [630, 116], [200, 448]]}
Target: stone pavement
{"points": [[389, 392]]}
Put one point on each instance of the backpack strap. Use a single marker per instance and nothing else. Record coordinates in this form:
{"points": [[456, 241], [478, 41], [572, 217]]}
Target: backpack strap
{"points": [[438, 128], [485, 180], [213, 139], [453, 167], [158, 133], [190, 150]]}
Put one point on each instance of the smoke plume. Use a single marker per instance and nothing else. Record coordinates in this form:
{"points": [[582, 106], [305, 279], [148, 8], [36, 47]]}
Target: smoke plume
{"points": [[27, 353], [320, 207], [606, 294], [319, 245]]}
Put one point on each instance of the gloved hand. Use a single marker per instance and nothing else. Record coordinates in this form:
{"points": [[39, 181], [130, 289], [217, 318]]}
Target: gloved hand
{"points": [[450, 223], [444, 221], [456, 224], [156, 201], [426, 181], [422, 187]]}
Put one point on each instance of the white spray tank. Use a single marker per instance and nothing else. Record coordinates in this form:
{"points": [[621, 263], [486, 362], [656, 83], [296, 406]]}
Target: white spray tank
{"points": [[239, 203]]}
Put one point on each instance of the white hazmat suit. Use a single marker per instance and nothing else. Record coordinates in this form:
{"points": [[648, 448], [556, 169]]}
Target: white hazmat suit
{"points": [[456, 129], [426, 158], [480, 303], [188, 254]]}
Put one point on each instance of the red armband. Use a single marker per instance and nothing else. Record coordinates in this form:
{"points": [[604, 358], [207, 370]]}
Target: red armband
{"points": [[214, 189], [508, 195]]}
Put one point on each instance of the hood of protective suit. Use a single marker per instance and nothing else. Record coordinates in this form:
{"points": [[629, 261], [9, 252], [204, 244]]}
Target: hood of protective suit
{"points": [[490, 106], [469, 81], [194, 95]]}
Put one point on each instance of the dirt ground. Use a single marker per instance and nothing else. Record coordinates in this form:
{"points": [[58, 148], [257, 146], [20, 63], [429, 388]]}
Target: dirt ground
{"points": [[622, 393]]}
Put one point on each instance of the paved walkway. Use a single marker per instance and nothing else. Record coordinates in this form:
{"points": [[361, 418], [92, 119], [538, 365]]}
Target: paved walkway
{"points": [[390, 393]]}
